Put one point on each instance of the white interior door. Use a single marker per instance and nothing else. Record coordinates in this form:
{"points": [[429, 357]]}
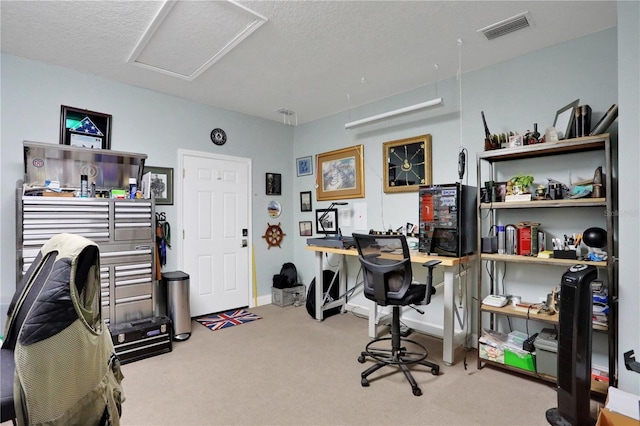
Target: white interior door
{"points": [[215, 215]]}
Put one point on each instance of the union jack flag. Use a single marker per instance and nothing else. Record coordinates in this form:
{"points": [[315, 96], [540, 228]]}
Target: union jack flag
{"points": [[227, 319]]}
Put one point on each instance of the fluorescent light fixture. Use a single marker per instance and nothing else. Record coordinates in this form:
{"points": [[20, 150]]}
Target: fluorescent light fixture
{"points": [[427, 104]]}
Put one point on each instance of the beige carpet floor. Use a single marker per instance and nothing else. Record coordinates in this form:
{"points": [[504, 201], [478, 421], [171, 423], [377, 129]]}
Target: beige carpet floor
{"points": [[289, 369]]}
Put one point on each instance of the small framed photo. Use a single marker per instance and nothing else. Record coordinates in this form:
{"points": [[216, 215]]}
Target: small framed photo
{"points": [[304, 166], [327, 221], [564, 120], [306, 228], [160, 183], [84, 129], [305, 201], [274, 184]]}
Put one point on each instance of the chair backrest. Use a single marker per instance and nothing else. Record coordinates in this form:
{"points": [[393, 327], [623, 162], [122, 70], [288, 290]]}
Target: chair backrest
{"points": [[386, 267]]}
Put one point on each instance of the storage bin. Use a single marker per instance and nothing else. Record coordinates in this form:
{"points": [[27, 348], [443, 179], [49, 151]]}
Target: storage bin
{"points": [[517, 338], [286, 296], [491, 353], [546, 345], [519, 359]]}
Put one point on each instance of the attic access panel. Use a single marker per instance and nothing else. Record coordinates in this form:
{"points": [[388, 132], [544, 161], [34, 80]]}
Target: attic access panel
{"points": [[187, 37]]}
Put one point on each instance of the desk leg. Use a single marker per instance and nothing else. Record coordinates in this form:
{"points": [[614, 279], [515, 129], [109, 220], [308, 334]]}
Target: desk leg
{"points": [[373, 314], [448, 332], [319, 286]]}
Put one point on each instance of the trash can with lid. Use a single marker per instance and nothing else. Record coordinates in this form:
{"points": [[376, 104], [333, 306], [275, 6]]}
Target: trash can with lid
{"points": [[177, 285]]}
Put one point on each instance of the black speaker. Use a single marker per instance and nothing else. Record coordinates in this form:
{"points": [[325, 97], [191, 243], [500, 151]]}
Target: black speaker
{"points": [[574, 348]]}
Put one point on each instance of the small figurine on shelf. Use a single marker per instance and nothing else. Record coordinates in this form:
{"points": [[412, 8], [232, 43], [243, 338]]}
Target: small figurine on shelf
{"points": [[541, 192], [530, 137]]}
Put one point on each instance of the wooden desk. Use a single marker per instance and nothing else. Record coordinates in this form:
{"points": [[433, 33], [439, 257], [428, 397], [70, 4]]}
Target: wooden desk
{"points": [[448, 263]]}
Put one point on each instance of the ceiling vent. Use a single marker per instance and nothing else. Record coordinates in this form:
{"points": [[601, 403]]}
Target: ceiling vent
{"points": [[515, 23]]}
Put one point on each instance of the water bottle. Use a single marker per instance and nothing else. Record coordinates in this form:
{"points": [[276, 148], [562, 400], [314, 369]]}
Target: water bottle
{"points": [[133, 187], [501, 239], [84, 188]]}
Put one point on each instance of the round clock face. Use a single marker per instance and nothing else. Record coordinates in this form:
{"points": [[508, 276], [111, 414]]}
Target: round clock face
{"points": [[218, 136], [406, 165]]}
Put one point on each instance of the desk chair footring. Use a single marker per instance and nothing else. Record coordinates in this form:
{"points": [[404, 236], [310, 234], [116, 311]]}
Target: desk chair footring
{"points": [[396, 355]]}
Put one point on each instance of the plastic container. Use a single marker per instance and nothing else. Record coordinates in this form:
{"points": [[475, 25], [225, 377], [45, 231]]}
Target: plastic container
{"points": [[84, 186], [501, 239], [546, 345], [133, 188]]}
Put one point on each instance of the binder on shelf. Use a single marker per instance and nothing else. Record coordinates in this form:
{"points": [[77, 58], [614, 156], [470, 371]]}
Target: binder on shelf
{"points": [[582, 121]]}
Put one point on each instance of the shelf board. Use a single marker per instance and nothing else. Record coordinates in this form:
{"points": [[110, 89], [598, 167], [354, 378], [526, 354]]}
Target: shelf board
{"points": [[596, 386], [588, 143], [539, 260], [510, 311], [578, 202]]}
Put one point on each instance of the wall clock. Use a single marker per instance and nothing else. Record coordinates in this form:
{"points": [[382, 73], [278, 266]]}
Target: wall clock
{"points": [[407, 164], [218, 136]]}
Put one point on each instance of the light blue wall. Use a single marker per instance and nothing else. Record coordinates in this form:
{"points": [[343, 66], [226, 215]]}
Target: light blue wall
{"points": [[145, 122], [629, 190]]}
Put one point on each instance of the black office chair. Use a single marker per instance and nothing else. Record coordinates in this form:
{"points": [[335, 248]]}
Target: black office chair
{"points": [[386, 266]]}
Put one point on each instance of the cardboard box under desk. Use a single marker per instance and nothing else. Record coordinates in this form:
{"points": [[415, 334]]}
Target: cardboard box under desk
{"points": [[285, 296]]}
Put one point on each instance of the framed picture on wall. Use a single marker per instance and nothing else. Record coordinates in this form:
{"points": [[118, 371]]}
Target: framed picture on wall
{"points": [[305, 201], [340, 174], [327, 221], [306, 228], [273, 183], [84, 129], [304, 166], [160, 181]]}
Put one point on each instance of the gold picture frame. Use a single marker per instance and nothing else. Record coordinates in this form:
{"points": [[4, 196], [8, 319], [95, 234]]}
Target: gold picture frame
{"points": [[407, 164], [340, 174]]}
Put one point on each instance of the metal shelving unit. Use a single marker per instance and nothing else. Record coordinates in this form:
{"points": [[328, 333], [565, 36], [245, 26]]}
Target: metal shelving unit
{"points": [[491, 211]]}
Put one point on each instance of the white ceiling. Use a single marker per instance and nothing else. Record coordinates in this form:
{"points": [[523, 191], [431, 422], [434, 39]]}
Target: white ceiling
{"points": [[312, 57]]}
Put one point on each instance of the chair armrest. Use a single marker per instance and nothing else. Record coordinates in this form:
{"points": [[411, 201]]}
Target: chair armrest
{"points": [[430, 290]]}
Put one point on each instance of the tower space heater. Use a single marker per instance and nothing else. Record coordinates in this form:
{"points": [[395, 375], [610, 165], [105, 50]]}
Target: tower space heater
{"points": [[574, 348]]}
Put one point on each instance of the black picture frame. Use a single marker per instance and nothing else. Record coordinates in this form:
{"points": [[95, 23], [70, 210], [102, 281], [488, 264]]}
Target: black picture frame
{"points": [[563, 122], [305, 201], [306, 228], [161, 184], [84, 129], [273, 183], [327, 221]]}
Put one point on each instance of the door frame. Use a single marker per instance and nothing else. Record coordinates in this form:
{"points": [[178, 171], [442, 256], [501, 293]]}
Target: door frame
{"points": [[178, 197]]}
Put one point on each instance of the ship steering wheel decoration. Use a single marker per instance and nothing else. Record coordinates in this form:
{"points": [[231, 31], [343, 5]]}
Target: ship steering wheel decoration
{"points": [[273, 235]]}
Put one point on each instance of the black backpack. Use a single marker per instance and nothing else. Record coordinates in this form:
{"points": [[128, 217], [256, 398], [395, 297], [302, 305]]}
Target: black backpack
{"points": [[288, 276]]}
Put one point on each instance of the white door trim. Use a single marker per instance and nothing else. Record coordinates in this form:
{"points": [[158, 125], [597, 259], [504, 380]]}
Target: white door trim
{"points": [[179, 183]]}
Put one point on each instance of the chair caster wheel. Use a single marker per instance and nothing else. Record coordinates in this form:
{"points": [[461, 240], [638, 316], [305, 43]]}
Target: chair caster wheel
{"points": [[435, 371], [361, 359], [417, 391], [364, 382]]}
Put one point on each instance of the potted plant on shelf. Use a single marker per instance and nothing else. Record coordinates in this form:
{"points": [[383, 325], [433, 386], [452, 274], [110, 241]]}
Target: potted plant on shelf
{"points": [[520, 188]]}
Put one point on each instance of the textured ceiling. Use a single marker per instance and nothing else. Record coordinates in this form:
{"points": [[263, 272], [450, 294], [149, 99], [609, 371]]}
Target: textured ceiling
{"points": [[312, 57]]}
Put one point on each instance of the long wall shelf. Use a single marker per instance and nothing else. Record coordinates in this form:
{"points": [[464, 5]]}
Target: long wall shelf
{"points": [[578, 202], [538, 260], [510, 311]]}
